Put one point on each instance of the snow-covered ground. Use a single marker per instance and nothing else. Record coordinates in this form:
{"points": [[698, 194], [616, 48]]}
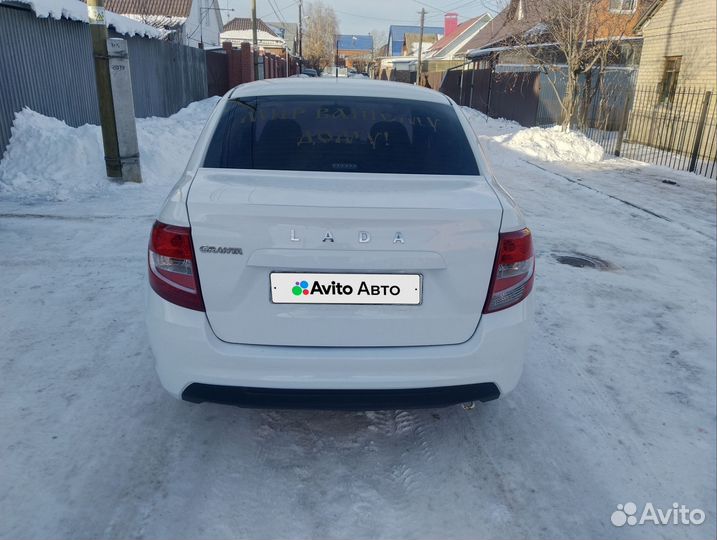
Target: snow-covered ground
{"points": [[617, 402]]}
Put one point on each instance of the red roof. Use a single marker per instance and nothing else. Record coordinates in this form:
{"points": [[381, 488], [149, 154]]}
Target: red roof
{"points": [[167, 8], [244, 23], [446, 40]]}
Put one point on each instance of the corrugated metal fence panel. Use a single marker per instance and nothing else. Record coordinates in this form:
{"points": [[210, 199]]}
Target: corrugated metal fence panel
{"points": [[552, 89], [618, 84], [165, 76], [46, 65], [515, 96]]}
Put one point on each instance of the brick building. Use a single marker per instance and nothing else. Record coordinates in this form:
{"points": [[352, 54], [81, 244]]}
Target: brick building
{"points": [[679, 45], [355, 50]]}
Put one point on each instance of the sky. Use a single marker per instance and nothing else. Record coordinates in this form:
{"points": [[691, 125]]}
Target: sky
{"points": [[364, 16]]}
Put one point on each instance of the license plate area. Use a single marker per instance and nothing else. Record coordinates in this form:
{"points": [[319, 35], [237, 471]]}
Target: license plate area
{"points": [[356, 289]]}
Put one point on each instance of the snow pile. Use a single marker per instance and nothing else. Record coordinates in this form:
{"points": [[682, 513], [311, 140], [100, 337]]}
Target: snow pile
{"points": [[47, 159], [77, 11], [545, 144], [165, 144], [553, 144]]}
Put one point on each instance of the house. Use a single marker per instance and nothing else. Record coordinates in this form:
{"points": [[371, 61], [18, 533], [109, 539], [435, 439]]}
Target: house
{"points": [[523, 21], [520, 67], [678, 67], [355, 50], [289, 32], [411, 41], [239, 30], [196, 23], [679, 45], [396, 34], [454, 45], [450, 51]]}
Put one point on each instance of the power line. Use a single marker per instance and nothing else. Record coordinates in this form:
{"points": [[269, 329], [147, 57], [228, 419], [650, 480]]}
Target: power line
{"points": [[430, 6], [274, 7], [287, 6], [462, 5], [449, 9], [405, 21]]}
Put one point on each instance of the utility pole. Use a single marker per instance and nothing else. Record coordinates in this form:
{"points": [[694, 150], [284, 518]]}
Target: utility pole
{"points": [[114, 97], [255, 40], [301, 50], [98, 32], [337, 57], [419, 68]]}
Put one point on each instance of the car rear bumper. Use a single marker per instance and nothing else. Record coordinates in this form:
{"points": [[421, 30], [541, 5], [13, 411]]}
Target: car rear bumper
{"points": [[188, 353], [352, 400]]}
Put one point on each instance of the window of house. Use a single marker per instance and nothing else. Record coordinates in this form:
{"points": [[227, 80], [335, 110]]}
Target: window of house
{"points": [[668, 84], [623, 6]]}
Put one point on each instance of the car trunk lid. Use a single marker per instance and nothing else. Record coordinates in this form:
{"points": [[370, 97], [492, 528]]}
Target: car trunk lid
{"points": [[248, 224]]}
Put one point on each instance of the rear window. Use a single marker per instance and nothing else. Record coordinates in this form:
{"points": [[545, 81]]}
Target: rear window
{"points": [[346, 134]]}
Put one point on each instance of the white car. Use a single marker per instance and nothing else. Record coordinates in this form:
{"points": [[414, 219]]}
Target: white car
{"points": [[339, 244]]}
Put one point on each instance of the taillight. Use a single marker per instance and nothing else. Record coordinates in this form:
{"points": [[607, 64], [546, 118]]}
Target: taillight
{"points": [[172, 267], [513, 272]]}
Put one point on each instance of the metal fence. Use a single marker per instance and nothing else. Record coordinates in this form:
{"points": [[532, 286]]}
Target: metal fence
{"points": [[676, 128], [509, 95], [602, 96], [46, 65]]}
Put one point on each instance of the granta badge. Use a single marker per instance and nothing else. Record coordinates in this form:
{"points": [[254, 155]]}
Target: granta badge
{"points": [[221, 250]]}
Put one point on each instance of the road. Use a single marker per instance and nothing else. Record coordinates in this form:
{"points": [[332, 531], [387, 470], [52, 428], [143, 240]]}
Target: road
{"points": [[617, 402]]}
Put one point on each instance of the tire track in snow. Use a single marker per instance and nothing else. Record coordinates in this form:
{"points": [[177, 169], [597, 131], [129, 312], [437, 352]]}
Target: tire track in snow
{"points": [[411, 487], [576, 182], [628, 203]]}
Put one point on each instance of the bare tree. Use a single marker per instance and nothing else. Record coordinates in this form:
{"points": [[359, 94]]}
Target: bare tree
{"points": [[585, 34], [320, 35], [380, 39]]}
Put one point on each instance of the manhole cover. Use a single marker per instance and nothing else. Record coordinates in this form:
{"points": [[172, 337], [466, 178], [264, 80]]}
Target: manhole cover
{"points": [[580, 260]]}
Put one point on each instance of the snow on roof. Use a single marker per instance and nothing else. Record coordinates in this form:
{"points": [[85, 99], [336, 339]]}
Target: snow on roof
{"points": [[158, 21], [77, 11], [264, 39], [457, 40], [445, 40], [397, 31], [355, 42]]}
